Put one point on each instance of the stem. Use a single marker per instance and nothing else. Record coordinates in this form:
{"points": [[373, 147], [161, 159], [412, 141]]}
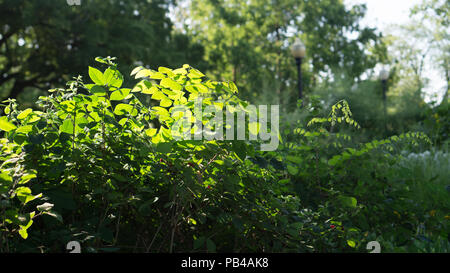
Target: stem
{"points": [[317, 171], [103, 133], [154, 237], [174, 226], [1, 240], [74, 129], [117, 227]]}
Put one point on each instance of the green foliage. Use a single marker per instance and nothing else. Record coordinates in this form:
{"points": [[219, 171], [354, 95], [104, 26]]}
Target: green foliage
{"points": [[42, 43], [353, 188], [111, 174], [98, 161], [250, 42], [18, 203], [436, 123]]}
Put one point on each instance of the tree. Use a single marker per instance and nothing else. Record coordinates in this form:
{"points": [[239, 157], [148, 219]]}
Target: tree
{"points": [[43, 42], [433, 16], [249, 41]]}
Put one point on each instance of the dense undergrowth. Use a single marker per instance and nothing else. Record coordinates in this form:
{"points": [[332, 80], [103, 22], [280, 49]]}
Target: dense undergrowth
{"points": [[96, 165]]}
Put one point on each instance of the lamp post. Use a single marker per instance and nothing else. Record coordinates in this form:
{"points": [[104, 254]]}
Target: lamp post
{"points": [[384, 76], [299, 51]]}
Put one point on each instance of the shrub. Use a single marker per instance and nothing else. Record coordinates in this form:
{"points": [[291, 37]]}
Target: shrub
{"points": [[350, 186], [114, 179], [99, 165]]}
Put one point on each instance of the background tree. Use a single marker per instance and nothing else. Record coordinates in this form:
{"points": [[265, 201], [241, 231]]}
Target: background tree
{"points": [[434, 17], [249, 41], [43, 43]]}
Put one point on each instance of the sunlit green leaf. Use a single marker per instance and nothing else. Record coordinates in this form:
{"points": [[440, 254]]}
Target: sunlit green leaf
{"points": [[5, 125], [122, 109], [24, 194], [169, 83], [45, 207], [26, 178], [351, 243], [194, 73], [165, 102], [166, 71], [151, 132], [25, 113], [142, 74], [136, 70], [67, 127], [119, 94], [113, 77], [25, 129], [96, 76], [150, 90], [23, 232]]}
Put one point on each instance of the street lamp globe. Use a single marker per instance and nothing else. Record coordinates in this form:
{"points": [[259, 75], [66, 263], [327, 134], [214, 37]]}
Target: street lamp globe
{"points": [[384, 74], [298, 49]]}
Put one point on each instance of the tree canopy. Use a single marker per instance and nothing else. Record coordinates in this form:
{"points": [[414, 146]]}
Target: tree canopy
{"points": [[43, 43], [250, 41]]}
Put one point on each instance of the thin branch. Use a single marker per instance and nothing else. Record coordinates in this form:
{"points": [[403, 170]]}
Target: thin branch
{"points": [[154, 237]]}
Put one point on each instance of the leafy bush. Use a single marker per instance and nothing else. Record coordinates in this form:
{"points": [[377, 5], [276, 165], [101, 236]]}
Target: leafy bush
{"points": [[99, 165], [436, 123], [115, 179], [423, 180], [351, 186]]}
